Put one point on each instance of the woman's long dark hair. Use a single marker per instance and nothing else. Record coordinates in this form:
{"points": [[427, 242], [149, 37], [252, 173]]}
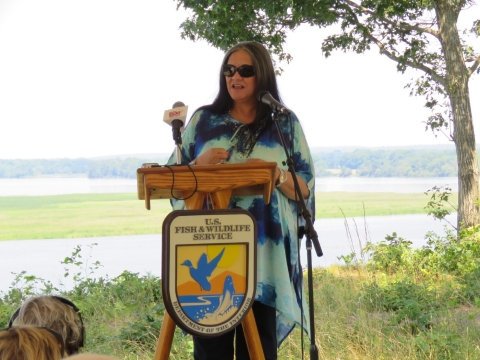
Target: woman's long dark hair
{"points": [[265, 80]]}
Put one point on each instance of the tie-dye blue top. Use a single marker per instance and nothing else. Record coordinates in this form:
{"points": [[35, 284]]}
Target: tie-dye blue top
{"points": [[279, 273]]}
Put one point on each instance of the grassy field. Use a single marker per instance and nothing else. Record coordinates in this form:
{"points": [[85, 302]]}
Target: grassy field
{"points": [[89, 215]]}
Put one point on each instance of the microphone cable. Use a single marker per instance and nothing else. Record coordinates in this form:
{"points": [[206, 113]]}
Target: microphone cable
{"points": [[173, 179]]}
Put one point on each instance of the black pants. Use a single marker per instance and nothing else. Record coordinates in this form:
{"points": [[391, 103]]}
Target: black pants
{"points": [[221, 347]]}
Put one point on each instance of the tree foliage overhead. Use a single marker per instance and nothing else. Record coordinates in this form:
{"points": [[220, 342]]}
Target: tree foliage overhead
{"points": [[417, 34], [405, 31]]}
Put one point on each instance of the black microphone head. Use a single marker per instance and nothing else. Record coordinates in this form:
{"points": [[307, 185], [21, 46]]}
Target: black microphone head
{"points": [[178, 104], [261, 94]]}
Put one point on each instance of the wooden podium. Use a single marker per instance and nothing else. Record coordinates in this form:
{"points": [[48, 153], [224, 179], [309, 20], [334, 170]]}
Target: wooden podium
{"points": [[193, 183]]}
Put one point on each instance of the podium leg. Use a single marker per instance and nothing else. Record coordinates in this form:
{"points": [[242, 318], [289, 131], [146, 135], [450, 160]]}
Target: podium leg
{"points": [[165, 338], [221, 199], [252, 339], [195, 201]]}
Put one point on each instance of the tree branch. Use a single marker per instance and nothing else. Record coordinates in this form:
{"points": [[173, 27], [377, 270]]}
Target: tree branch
{"points": [[402, 25], [395, 58], [459, 6], [410, 63], [474, 66]]}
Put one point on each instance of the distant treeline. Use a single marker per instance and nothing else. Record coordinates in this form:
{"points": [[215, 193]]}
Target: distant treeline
{"points": [[387, 163], [364, 163], [94, 169]]}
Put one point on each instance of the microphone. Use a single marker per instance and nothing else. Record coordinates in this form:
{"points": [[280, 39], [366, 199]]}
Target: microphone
{"points": [[176, 118], [267, 98]]}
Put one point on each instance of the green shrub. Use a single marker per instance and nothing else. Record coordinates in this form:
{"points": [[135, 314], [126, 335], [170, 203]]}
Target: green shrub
{"points": [[391, 255]]}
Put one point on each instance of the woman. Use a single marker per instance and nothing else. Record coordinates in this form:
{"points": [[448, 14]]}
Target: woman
{"points": [[30, 343], [237, 127]]}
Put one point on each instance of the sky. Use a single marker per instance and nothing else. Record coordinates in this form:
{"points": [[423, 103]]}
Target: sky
{"points": [[89, 78]]}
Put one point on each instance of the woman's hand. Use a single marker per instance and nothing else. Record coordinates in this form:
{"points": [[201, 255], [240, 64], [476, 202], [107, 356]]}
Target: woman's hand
{"points": [[288, 187], [213, 156]]}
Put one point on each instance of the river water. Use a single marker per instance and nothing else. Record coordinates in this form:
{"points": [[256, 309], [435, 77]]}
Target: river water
{"points": [[57, 186], [142, 253]]}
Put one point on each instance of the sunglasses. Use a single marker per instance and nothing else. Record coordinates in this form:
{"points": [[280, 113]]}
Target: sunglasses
{"points": [[57, 336], [245, 71]]}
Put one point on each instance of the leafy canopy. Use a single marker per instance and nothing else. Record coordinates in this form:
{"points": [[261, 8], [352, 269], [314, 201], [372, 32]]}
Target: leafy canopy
{"points": [[406, 31]]}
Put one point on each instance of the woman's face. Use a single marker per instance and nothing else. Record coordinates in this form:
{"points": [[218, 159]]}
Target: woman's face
{"points": [[241, 89]]}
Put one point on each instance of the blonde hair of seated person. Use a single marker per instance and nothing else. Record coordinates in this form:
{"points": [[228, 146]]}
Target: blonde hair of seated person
{"points": [[30, 343], [56, 313]]}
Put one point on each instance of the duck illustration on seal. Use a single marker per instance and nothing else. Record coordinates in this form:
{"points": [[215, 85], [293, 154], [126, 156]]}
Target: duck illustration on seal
{"points": [[204, 269]]}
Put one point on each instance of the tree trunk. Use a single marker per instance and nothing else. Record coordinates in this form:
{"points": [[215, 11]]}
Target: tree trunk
{"points": [[464, 135]]}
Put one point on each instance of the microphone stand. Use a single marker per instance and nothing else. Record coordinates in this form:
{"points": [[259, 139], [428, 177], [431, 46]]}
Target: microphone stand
{"points": [[310, 233], [177, 137]]}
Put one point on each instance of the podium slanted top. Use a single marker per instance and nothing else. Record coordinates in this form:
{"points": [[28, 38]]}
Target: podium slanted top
{"points": [[225, 180]]}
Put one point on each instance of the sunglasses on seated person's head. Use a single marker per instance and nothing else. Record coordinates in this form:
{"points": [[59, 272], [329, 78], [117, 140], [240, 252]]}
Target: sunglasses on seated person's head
{"points": [[245, 71]]}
